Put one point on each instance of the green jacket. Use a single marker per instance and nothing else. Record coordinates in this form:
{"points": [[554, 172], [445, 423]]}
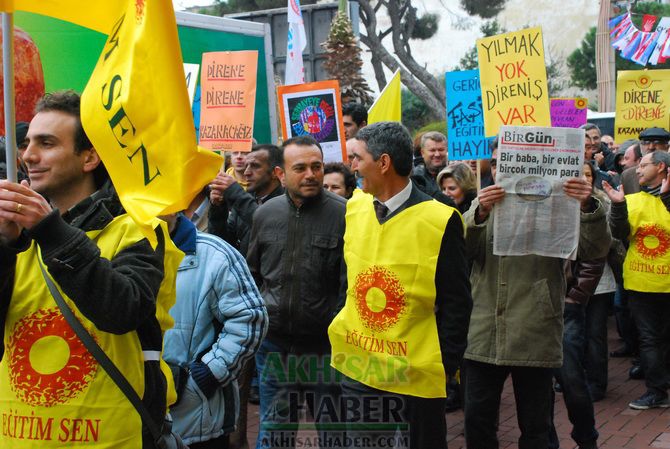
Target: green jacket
{"points": [[517, 315]]}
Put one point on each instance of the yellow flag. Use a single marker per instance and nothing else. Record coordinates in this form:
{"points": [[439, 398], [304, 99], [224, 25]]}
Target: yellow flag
{"points": [[6, 5], [387, 106], [98, 15], [135, 110]]}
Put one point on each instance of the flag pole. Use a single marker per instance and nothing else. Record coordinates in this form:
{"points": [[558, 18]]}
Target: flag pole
{"points": [[8, 89]]}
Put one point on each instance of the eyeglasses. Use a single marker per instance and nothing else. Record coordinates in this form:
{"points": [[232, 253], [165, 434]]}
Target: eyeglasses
{"points": [[656, 142], [646, 164]]}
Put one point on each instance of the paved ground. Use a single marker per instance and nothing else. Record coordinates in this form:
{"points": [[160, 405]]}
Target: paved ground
{"points": [[619, 426]]}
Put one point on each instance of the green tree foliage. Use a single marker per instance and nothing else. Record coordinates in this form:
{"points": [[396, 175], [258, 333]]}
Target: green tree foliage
{"points": [[415, 114], [582, 62], [425, 26], [440, 126], [485, 9]]}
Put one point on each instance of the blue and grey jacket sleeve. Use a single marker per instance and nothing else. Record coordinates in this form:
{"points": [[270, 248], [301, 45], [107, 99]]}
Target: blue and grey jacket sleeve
{"points": [[239, 307]]}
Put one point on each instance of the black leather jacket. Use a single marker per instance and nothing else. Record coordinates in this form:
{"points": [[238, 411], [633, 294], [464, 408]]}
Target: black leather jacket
{"points": [[295, 255], [231, 220]]}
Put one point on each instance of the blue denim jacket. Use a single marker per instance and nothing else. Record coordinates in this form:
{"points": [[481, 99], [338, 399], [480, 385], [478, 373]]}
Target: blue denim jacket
{"points": [[220, 320]]}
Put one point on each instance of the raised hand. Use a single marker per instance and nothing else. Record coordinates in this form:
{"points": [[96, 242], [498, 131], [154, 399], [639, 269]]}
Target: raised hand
{"points": [[579, 189], [616, 196], [20, 207], [488, 197], [218, 186]]}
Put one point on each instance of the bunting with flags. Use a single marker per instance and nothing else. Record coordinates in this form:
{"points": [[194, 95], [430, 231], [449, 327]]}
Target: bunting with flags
{"points": [[641, 46]]}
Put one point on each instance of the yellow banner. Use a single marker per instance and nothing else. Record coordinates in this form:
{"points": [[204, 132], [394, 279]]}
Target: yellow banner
{"points": [[641, 102], [513, 80], [135, 110]]}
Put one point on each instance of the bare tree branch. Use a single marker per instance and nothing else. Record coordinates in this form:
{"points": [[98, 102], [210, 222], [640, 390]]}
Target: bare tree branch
{"points": [[408, 61], [414, 77]]}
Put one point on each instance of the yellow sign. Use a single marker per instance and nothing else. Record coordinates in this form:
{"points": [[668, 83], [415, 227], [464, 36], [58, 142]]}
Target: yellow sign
{"points": [[641, 102], [513, 80]]}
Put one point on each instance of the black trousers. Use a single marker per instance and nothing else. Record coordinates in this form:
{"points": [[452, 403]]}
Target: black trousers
{"points": [[377, 418], [217, 443], [651, 312], [532, 391]]}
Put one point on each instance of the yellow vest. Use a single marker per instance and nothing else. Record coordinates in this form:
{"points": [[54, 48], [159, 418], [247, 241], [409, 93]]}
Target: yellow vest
{"points": [[647, 264], [53, 393], [386, 334]]}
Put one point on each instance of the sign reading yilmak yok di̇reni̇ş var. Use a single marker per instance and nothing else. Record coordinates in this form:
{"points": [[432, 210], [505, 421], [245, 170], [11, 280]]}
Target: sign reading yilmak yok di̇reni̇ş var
{"points": [[513, 80]]}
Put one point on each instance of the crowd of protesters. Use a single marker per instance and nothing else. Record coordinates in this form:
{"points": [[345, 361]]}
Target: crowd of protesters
{"points": [[363, 296]]}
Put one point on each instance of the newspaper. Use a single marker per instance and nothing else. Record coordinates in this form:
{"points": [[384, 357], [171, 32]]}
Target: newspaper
{"points": [[536, 217]]}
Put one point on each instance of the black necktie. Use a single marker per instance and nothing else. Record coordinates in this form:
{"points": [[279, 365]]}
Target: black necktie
{"points": [[380, 210]]}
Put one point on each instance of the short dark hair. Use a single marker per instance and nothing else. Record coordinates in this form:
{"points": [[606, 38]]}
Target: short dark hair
{"points": [[67, 101], [347, 174], [357, 112], [301, 141], [275, 154], [590, 126], [390, 138]]}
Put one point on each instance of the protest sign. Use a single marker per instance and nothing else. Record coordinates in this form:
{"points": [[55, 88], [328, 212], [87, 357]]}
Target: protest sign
{"points": [[191, 74], [513, 80], [465, 124], [228, 96], [641, 102], [314, 109], [568, 112], [536, 217]]}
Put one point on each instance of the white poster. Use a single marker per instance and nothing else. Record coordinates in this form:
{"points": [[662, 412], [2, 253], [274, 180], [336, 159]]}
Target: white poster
{"points": [[536, 217]]}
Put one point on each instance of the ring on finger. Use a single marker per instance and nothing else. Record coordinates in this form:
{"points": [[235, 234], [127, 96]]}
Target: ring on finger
{"points": [[18, 208]]}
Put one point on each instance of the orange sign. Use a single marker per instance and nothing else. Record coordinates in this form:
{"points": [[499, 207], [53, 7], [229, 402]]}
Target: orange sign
{"points": [[314, 109], [228, 96]]}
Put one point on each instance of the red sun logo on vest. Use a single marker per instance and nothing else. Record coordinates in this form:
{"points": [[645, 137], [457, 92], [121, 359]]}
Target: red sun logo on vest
{"points": [[380, 298], [651, 241], [139, 10], [48, 381]]}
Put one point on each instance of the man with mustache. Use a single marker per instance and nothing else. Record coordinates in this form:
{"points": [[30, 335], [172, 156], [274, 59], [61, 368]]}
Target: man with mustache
{"points": [[295, 256]]}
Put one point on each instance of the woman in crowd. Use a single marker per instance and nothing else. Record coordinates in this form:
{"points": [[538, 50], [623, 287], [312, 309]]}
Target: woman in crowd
{"points": [[459, 183]]}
